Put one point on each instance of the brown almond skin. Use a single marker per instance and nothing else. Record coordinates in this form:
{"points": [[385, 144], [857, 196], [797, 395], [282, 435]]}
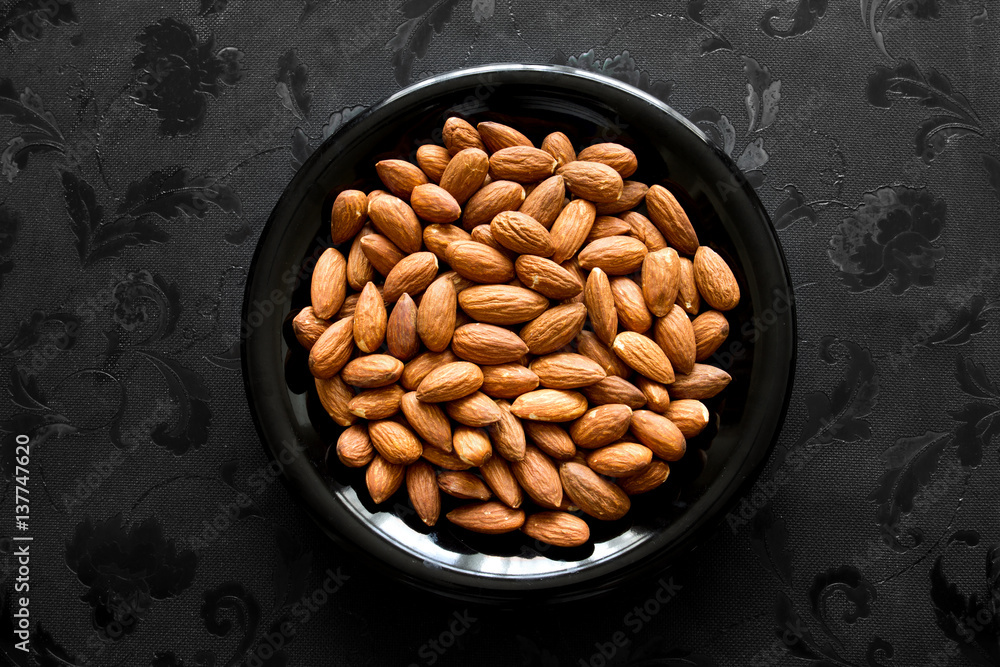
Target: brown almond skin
{"points": [[549, 405], [539, 477], [522, 164], [329, 284], [434, 204], [560, 529], [472, 445], [502, 304], [552, 439], [371, 371], [657, 395], [348, 215], [380, 403], [616, 156], [546, 277], [463, 485], [688, 297], [479, 262], [592, 181], [521, 233], [601, 426], [422, 487], [560, 147], [554, 328], [633, 194], [465, 174], [350, 304], [401, 332], [571, 228], [567, 370], [490, 518], [372, 196], [333, 349], [382, 253], [614, 389], [308, 327], [412, 275], [444, 460], [702, 382], [649, 478], [508, 380], [400, 176], [643, 356], [418, 368], [631, 305], [608, 225], [507, 434], [433, 160], [497, 474], [370, 319], [483, 234], [579, 277], [490, 200], [659, 434], [428, 420], [437, 238], [383, 479], [359, 270], [715, 280], [498, 136], [675, 336], [669, 217], [476, 410], [545, 201], [487, 344], [619, 460], [615, 255], [459, 135], [450, 382], [436, 314], [661, 277], [644, 230], [592, 494], [711, 329], [600, 303], [394, 219], [689, 415], [589, 345], [394, 442], [335, 396], [354, 447]]}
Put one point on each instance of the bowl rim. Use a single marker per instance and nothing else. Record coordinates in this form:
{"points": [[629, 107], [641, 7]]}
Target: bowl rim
{"points": [[302, 477]]}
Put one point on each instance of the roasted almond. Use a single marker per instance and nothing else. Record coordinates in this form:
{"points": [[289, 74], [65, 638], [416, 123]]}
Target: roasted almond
{"points": [[571, 228], [435, 204], [333, 349], [669, 217], [643, 356], [383, 479], [373, 370], [370, 319], [417, 369], [380, 403], [633, 194], [459, 135], [589, 345], [546, 277], [675, 336], [539, 477], [335, 397], [560, 147], [428, 420], [659, 434], [689, 415], [593, 494], [394, 441], [554, 328], [614, 389], [476, 410], [411, 275], [450, 382], [433, 160], [551, 438], [657, 396], [491, 518], [498, 476], [308, 327], [715, 280], [649, 478], [471, 445], [502, 304], [372, 196], [508, 380], [479, 262], [382, 253], [702, 382], [560, 529], [608, 225], [436, 314], [348, 215], [507, 434], [711, 329], [619, 460], [487, 344], [615, 255], [601, 425], [359, 270], [566, 370], [491, 199], [401, 336], [437, 238], [463, 485], [616, 156], [522, 164], [465, 174], [354, 447], [549, 405], [394, 218], [521, 233], [592, 181], [444, 460], [498, 136], [644, 230], [661, 277], [600, 303], [687, 291], [630, 305], [400, 176], [329, 284], [422, 487], [545, 201]]}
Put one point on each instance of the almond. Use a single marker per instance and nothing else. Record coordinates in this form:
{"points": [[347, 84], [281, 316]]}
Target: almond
{"points": [[649, 478], [416, 370], [566, 370], [592, 181], [554, 328], [450, 382], [702, 382], [372, 196], [335, 397], [522, 164], [507, 434], [711, 329], [308, 328], [498, 136], [437, 238], [471, 445], [551, 439], [539, 477], [619, 460], [476, 410], [394, 218], [600, 303], [333, 349], [689, 415], [491, 518], [715, 280], [644, 230], [463, 485], [428, 420], [422, 487], [687, 291], [560, 529], [378, 403], [401, 332], [459, 135], [601, 425], [643, 356], [350, 304], [633, 193], [545, 201], [400, 176], [675, 336], [487, 344], [382, 253], [560, 147], [661, 277], [433, 160], [546, 277], [370, 319], [411, 275], [630, 305], [521, 233], [435, 204], [502, 304], [359, 269], [445, 460], [549, 405], [354, 448], [479, 262], [608, 225], [669, 217], [659, 434], [436, 314], [657, 396], [498, 476], [329, 284], [614, 389], [394, 442], [348, 215], [465, 174], [592, 494], [588, 345], [615, 255], [491, 199], [508, 380], [571, 229], [383, 479], [616, 156], [483, 234], [373, 370]]}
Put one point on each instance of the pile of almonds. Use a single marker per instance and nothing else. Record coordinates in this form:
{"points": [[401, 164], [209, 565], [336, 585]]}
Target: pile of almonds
{"points": [[551, 367]]}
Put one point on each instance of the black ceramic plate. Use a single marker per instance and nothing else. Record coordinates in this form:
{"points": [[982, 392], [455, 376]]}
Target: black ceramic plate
{"points": [[720, 464]]}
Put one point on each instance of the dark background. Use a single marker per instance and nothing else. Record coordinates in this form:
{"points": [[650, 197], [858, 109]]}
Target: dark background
{"points": [[143, 148]]}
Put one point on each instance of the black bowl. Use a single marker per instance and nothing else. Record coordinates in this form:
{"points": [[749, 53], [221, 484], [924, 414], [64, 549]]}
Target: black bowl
{"points": [[721, 463]]}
